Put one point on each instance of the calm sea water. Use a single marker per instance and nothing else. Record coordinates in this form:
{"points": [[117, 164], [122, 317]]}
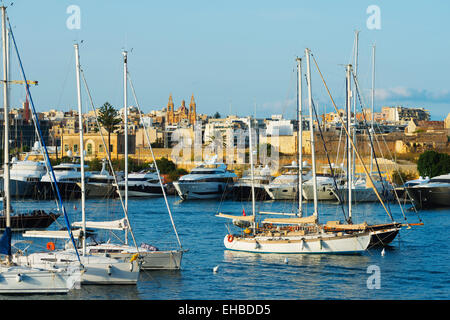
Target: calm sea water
{"points": [[415, 266]]}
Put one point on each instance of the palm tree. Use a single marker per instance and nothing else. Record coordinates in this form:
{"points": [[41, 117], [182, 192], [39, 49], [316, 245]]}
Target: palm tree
{"points": [[109, 119]]}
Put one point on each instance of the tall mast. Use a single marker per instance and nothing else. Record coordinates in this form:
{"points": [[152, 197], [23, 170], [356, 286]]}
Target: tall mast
{"points": [[251, 170], [311, 128], [80, 125], [372, 104], [349, 145], [354, 102], [299, 134], [125, 121], [7, 198]]}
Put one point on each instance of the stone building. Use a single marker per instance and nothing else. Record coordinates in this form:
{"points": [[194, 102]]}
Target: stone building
{"points": [[94, 147], [176, 116]]}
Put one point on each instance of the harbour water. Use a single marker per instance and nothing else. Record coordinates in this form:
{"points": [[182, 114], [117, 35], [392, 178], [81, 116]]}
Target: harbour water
{"points": [[415, 265]]}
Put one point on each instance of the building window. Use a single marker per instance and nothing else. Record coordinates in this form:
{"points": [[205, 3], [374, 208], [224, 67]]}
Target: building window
{"points": [[100, 148], [89, 149], [66, 147], [75, 148]]}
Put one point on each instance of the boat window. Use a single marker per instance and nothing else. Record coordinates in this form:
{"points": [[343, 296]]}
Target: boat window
{"points": [[440, 180], [205, 171], [137, 179]]}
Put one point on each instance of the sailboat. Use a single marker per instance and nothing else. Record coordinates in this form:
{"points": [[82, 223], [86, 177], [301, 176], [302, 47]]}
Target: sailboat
{"points": [[382, 234], [17, 279], [295, 235], [150, 257], [96, 269]]}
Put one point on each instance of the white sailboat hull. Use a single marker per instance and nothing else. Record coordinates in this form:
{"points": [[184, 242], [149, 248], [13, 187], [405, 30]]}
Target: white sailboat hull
{"points": [[326, 244], [150, 260], [200, 190], [24, 280], [97, 269]]}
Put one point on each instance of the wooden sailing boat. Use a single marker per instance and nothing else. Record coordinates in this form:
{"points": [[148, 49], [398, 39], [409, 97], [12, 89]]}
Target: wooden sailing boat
{"points": [[15, 278], [296, 235], [381, 234]]}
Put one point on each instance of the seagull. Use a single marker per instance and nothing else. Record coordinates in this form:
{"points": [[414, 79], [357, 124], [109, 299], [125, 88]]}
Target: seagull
{"points": [[286, 260], [382, 252], [215, 269]]}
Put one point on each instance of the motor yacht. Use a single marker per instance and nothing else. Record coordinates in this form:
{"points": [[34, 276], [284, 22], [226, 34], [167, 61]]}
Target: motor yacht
{"points": [[285, 186], [242, 189], [433, 193], [207, 181], [67, 175]]}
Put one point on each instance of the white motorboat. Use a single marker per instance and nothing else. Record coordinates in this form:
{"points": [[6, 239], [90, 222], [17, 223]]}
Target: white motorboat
{"points": [[242, 188], [325, 185], [433, 193], [142, 184], [362, 191], [401, 191], [285, 186], [99, 184], [207, 181], [24, 177], [67, 175]]}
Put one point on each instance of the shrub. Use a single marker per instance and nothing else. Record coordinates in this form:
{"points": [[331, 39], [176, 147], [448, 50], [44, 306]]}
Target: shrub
{"points": [[432, 163]]}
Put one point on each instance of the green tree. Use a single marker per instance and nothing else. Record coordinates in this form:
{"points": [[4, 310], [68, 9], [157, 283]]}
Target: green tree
{"points": [[432, 163], [165, 165], [109, 119]]}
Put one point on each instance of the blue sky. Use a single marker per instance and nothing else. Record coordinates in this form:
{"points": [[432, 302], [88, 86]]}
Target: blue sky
{"points": [[233, 55]]}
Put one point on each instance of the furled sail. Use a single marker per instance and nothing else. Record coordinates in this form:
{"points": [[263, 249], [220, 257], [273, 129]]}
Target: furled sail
{"points": [[120, 224]]}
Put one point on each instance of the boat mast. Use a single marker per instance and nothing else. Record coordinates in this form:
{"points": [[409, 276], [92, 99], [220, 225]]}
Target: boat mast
{"points": [[125, 121], [7, 195], [354, 103], [299, 134], [251, 171], [80, 125], [311, 129], [372, 104], [349, 145]]}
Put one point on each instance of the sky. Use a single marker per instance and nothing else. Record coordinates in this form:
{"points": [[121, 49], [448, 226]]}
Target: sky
{"points": [[235, 57]]}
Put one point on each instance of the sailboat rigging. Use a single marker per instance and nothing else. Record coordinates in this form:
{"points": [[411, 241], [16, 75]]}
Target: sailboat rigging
{"points": [[382, 233], [297, 235], [21, 278], [150, 257], [96, 269]]}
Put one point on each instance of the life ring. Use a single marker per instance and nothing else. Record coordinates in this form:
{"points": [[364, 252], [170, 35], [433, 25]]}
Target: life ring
{"points": [[50, 246], [230, 238]]}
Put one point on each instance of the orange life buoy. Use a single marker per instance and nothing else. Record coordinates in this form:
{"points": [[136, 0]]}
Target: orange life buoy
{"points": [[50, 246], [230, 238]]}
